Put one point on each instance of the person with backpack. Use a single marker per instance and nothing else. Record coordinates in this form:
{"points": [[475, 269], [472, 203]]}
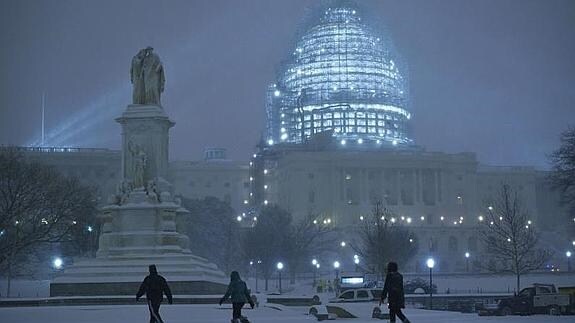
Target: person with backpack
{"points": [[154, 286], [239, 294], [393, 289]]}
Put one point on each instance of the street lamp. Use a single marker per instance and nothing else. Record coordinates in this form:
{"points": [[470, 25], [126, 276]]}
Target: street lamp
{"points": [[315, 265], [568, 254], [336, 282], [467, 261], [430, 265], [280, 266], [356, 262]]}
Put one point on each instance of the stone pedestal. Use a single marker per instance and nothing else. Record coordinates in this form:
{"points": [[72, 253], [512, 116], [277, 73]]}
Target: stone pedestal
{"points": [[140, 225]]}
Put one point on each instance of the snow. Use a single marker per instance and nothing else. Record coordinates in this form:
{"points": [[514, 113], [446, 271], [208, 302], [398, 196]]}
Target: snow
{"points": [[214, 313]]}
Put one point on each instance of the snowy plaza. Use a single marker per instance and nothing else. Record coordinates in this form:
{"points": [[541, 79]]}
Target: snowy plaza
{"points": [[215, 314]]}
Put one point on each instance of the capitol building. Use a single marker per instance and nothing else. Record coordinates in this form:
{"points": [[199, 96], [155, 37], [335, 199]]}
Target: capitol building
{"points": [[337, 140]]}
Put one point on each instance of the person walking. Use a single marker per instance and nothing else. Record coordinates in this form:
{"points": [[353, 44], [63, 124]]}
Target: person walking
{"points": [[154, 286], [393, 288], [239, 294]]}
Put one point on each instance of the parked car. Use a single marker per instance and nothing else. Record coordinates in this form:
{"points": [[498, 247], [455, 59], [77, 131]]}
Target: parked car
{"points": [[358, 295], [539, 299]]}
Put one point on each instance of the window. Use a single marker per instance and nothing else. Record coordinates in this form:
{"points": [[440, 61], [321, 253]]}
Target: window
{"points": [[347, 295], [452, 244], [362, 294]]}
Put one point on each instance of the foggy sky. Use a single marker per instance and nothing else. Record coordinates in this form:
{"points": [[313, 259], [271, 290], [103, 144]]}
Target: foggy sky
{"points": [[487, 76]]}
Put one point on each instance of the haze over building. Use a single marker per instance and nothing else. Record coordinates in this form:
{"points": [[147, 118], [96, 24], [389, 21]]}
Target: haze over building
{"points": [[337, 141]]}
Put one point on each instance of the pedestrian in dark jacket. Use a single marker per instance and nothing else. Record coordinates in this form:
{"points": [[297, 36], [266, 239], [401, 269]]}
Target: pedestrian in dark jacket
{"points": [[393, 289], [239, 294], [154, 286]]}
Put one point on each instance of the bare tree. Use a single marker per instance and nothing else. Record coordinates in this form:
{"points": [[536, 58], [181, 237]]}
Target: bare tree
{"points": [[267, 241], [510, 238], [38, 205], [563, 174], [211, 222], [382, 239], [306, 238]]}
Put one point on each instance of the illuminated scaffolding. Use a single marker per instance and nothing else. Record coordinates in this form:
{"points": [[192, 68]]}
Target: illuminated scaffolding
{"points": [[342, 78]]}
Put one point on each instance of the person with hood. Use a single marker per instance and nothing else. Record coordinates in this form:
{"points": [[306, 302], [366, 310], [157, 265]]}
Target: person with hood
{"points": [[393, 288], [239, 294], [154, 286]]}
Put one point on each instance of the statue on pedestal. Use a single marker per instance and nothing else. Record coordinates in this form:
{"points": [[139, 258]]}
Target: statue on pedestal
{"points": [[147, 76]]}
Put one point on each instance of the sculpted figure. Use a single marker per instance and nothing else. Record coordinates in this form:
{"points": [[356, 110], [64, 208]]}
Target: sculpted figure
{"points": [[153, 77], [139, 160], [137, 78], [147, 75]]}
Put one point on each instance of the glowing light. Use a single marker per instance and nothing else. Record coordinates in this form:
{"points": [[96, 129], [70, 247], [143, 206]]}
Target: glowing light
{"points": [[342, 244], [408, 220], [265, 202], [245, 201], [265, 171], [393, 220], [277, 93], [90, 229], [343, 142], [430, 263], [284, 136], [422, 218], [265, 187], [255, 218], [360, 141], [467, 255], [239, 218], [480, 218], [280, 266], [270, 142], [441, 218], [361, 217], [490, 208], [336, 264], [57, 263], [568, 254], [356, 261], [314, 262]]}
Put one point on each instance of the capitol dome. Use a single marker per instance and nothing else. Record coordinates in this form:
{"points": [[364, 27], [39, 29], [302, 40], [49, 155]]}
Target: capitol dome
{"points": [[344, 78]]}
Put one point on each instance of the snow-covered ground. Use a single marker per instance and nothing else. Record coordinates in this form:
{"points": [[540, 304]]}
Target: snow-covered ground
{"points": [[213, 314]]}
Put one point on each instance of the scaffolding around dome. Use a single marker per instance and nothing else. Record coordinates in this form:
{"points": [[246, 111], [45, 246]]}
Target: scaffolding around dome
{"points": [[344, 78]]}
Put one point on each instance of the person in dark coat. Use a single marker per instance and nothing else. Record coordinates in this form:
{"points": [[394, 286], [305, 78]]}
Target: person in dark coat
{"points": [[154, 286], [393, 289], [239, 294]]}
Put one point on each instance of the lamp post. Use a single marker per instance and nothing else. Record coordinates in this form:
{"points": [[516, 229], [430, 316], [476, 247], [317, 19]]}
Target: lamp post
{"points": [[430, 265], [568, 254], [467, 261], [336, 281], [280, 266], [314, 264], [356, 262]]}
